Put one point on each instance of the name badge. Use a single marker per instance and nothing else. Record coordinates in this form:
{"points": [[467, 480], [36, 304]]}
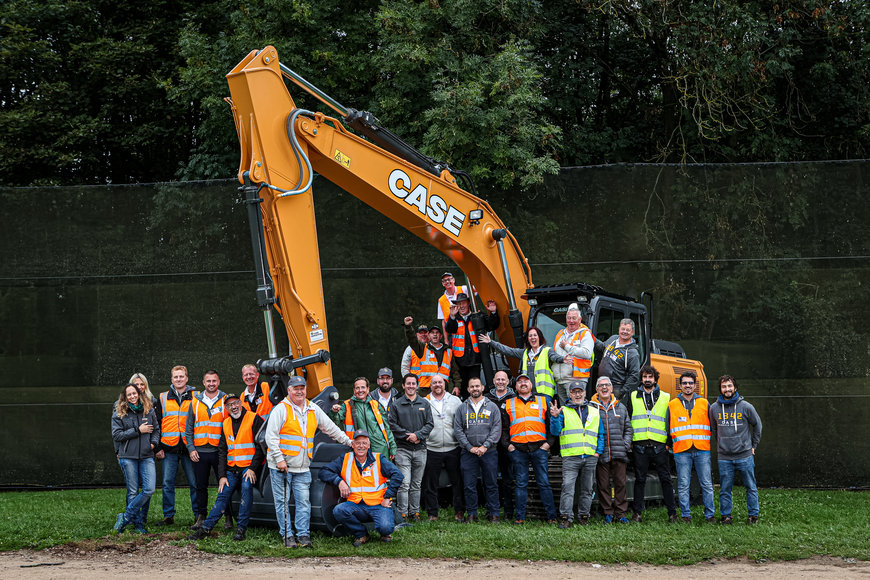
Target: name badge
{"points": [[533, 406], [367, 472], [683, 419], [484, 413]]}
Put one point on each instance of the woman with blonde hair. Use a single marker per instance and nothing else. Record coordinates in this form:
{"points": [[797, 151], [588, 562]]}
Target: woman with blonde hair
{"points": [[136, 434]]}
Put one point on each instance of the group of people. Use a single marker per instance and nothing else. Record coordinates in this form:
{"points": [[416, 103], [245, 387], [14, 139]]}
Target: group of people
{"points": [[400, 442]]}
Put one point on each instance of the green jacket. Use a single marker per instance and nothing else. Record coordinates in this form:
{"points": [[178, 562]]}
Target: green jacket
{"points": [[364, 418]]}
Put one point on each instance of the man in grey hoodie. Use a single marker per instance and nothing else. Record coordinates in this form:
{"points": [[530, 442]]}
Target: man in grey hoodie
{"points": [[737, 428], [620, 359]]}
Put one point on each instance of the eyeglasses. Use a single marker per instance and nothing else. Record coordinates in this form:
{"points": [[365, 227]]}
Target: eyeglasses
{"points": [[687, 383]]}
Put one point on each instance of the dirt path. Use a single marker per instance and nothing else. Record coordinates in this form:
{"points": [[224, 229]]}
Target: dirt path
{"points": [[105, 561]]}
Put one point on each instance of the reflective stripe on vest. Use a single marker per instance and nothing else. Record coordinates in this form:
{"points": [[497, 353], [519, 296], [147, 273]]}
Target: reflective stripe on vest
{"points": [[527, 424], [429, 367], [581, 366], [174, 420], [545, 382], [649, 425], [291, 438], [207, 422], [240, 449], [577, 438], [368, 486], [349, 427], [690, 430], [414, 367], [458, 342]]}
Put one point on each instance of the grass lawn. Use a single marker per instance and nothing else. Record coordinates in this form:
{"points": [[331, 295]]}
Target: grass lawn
{"points": [[794, 524]]}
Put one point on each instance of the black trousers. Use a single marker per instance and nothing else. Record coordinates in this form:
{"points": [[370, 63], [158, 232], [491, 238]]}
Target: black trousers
{"points": [[435, 462], [208, 462], [658, 458], [467, 373], [506, 483]]}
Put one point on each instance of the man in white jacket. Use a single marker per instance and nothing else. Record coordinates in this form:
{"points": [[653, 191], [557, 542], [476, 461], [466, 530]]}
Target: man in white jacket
{"points": [[290, 433], [575, 344], [442, 451]]}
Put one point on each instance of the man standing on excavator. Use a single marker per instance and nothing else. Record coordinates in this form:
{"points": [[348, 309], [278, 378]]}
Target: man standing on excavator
{"points": [[447, 299], [575, 344], [464, 340]]}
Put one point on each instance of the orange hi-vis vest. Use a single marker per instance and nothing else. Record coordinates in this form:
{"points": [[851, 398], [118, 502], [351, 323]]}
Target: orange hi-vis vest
{"points": [[444, 302], [207, 422], [174, 420], [265, 405], [582, 366], [528, 419], [291, 438], [458, 339], [349, 427], [414, 367], [240, 449], [429, 366], [368, 486], [687, 430]]}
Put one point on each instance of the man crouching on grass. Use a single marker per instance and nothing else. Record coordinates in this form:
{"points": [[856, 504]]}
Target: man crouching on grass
{"points": [[369, 482]]}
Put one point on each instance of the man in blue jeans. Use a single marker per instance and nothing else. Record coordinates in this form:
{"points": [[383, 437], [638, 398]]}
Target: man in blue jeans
{"points": [[174, 405], [689, 430], [524, 423], [369, 482], [239, 461], [737, 428], [290, 441]]}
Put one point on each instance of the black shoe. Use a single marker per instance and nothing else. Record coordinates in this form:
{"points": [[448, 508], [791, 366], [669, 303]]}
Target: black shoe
{"points": [[199, 534], [289, 541], [710, 520], [583, 521], [752, 520], [565, 523], [493, 519], [637, 517], [228, 521], [470, 520], [200, 519], [239, 535], [726, 520], [672, 519], [305, 542], [360, 541], [165, 522], [687, 520]]}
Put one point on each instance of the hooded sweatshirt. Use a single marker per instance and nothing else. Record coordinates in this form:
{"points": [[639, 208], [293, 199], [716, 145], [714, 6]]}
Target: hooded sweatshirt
{"points": [[736, 425]]}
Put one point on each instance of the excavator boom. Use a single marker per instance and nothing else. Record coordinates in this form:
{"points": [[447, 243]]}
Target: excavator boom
{"points": [[281, 149]]}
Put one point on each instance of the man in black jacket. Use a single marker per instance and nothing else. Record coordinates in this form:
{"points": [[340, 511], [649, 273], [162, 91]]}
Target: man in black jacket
{"points": [[239, 460], [463, 339], [411, 422]]}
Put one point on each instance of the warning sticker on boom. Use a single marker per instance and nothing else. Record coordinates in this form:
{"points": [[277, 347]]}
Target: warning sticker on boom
{"points": [[315, 335], [341, 158]]}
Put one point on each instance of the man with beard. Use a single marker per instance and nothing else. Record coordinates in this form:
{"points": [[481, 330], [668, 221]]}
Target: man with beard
{"points": [[203, 434], [463, 342], [239, 461], [648, 409], [385, 394], [434, 357]]}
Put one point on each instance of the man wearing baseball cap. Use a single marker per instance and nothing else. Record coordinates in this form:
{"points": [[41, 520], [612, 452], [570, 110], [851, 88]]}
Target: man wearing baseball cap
{"points": [[369, 482], [290, 433], [385, 394], [239, 461], [447, 299]]}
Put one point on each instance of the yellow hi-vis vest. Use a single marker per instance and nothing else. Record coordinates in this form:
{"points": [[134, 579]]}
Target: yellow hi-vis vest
{"points": [[545, 382], [650, 425], [577, 438]]}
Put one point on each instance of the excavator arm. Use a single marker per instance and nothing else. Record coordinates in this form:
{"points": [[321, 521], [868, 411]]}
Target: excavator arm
{"points": [[282, 147]]}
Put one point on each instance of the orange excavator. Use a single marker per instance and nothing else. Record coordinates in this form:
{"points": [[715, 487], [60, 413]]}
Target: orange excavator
{"points": [[283, 147]]}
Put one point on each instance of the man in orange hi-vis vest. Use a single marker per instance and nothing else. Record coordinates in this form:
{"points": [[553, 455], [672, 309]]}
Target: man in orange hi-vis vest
{"points": [[239, 461], [689, 429], [369, 482], [575, 344], [290, 441]]}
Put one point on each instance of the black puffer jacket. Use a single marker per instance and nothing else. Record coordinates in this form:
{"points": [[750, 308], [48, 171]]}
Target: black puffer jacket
{"points": [[130, 443], [617, 430]]}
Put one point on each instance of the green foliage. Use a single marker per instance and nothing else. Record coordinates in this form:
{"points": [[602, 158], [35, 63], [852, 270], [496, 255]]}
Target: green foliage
{"points": [[794, 524]]}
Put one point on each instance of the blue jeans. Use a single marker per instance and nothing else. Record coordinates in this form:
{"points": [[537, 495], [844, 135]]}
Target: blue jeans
{"points": [[487, 465], [701, 460], [746, 468], [299, 485], [170, 472], [234, 482], [352, 515], [539, 459], [138, 473]]}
